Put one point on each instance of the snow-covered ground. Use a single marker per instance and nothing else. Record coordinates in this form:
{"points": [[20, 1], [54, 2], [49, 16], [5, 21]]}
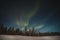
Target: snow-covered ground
{"points": [[16, 37]]}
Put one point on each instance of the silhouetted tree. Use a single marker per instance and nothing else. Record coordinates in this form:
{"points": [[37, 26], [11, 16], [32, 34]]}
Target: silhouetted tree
{"points": [[33, 31], [11, 30], [17, 31], [25, 30]]}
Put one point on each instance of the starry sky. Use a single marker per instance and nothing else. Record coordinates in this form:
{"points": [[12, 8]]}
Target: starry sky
{"points": [[43, 15]]}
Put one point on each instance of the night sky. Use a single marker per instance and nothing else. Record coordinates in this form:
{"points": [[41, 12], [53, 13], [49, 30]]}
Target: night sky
{"points": [[43, 15]]}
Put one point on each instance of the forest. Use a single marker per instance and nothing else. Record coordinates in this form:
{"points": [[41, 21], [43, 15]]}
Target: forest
{"points": [[10, 31]]}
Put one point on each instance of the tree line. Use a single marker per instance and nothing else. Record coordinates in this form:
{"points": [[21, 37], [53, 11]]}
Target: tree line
{"points": [[11, 31]]}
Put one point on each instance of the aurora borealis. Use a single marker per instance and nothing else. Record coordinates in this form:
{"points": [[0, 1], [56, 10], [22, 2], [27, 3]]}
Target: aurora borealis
{"points": [[43, 15], [27, 14]]}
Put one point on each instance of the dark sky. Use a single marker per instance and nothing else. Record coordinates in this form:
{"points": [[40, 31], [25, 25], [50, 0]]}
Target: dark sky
{"points": [[43, 15]]}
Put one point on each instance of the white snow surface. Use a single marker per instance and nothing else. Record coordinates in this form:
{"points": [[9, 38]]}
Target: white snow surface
{"points": [[18, 37]]}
